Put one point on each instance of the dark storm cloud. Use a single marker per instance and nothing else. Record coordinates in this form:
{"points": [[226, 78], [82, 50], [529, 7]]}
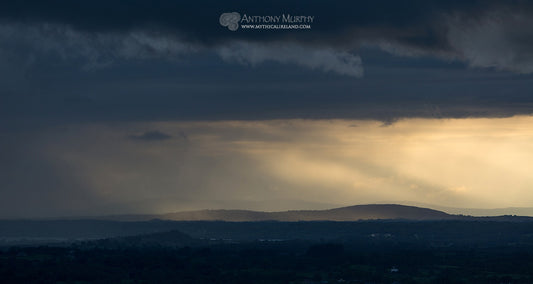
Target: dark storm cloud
{"points": [[158, 60], [151, 136], [407, 27], [197, 21]]}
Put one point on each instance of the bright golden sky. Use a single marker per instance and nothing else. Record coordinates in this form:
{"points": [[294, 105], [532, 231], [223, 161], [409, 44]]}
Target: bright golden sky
{"points": [[292, 164]]}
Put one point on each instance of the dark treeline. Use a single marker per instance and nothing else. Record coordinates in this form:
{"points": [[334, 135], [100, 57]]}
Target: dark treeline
{"points": [[285, 252], [452, 230], [260, 262]]}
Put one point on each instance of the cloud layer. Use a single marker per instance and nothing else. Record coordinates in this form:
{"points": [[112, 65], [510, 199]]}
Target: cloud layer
{"points": [[381, 60], [107, 106], [329, 60], [479, 33]]}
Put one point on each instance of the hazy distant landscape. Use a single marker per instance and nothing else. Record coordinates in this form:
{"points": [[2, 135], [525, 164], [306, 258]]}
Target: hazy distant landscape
{"points": [[243, 224], [348, 213], [358, 244]]}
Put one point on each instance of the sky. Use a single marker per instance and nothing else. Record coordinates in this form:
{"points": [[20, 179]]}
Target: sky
{"points": [[113, 107]]}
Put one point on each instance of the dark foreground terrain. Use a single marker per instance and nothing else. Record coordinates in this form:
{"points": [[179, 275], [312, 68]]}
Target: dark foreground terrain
{"points": [[447, 251]]}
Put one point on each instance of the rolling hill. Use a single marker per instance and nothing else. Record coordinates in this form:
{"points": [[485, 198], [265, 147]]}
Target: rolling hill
{"points": [[350, 213]]}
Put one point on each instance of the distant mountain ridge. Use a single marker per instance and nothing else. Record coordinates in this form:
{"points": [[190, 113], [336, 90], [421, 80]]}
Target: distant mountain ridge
{"points": [[201, 225], [350, 213]]}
